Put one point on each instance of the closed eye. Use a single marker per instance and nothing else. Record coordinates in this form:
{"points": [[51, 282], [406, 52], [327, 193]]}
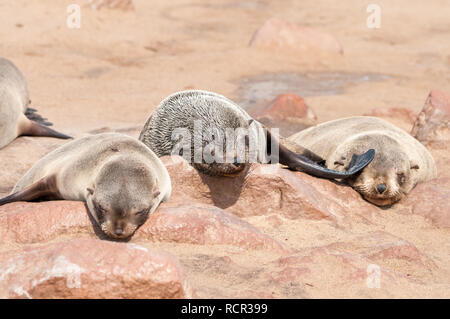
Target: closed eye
{"points": [[143, 212], [401, 178], [101, 211]]}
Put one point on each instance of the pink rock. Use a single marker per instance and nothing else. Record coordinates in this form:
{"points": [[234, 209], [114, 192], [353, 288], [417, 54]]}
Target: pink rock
{"points": [[287, 106], [431, 200], [90, 268], [204, 225], [276, 33], [433, 123]]}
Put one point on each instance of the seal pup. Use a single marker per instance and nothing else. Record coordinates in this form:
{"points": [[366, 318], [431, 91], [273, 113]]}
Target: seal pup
{"points": [[16, 118], [121, 180], [183, 110], [400, 163]]}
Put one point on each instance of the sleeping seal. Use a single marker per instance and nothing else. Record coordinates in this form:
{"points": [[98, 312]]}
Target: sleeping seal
{"points": [[400, 163], [121, 180], [220, 139], [15, 117]]}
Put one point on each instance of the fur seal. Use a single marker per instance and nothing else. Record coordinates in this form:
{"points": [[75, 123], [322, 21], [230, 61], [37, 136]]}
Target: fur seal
{"points": [[121, 180], [400, 162], [183, 110], [16, 118]]}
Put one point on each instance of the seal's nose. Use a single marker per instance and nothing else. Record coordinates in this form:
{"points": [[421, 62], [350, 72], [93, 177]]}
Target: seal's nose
{"points": [[118, 231], [381, 188]]}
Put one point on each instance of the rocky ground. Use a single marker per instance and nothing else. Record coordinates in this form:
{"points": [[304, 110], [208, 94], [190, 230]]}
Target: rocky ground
{"points": [[269, 233]]}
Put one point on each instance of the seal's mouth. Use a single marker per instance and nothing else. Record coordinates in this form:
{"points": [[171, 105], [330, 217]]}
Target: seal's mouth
{"points": [[382, 200]]}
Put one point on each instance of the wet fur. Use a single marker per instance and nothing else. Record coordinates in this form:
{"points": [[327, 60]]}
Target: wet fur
{"points": [[181, 110]]}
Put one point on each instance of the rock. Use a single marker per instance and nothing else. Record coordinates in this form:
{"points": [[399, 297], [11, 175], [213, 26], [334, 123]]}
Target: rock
{"points": [[198, 224], [399, 116], [201, 224], [278, 34], [287, 112], [328, 273], [287, 107], [23, 222], [18, 157], [431, 200], [388, 251], [124, 5], [265, 190], [90, 268], [433, 123]]}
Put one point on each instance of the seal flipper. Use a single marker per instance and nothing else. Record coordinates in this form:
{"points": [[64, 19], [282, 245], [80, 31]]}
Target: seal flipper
{"points": [[32, 115], [45, 187], [35, 129], [301, 163]]}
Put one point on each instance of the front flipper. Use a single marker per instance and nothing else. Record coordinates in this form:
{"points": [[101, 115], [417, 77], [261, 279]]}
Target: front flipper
{"points": [[301, 163], [45, 187]]}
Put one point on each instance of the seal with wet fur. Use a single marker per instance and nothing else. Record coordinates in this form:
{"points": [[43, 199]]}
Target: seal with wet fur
{"points": [[400, 163], [216, 115], [16, 118], [121, 180]]}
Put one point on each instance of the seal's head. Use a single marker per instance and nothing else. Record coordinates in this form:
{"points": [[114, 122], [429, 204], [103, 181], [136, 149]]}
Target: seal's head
{"points": [[388, 177], [122, 197], [224, 148]]}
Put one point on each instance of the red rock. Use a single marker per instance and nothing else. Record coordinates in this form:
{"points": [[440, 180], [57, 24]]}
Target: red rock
{"points": [[23, 222], [287, 106], [89, 268], [433, 123], [431, 200], [276, 33], [267, 190], [194, 224], [204, 225]]}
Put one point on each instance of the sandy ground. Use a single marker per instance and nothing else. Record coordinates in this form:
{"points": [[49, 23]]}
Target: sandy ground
{"points": [[118, 66]]}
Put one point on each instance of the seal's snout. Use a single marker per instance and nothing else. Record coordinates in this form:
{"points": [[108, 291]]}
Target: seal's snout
{"points": [[381, 188], [118, 232]]}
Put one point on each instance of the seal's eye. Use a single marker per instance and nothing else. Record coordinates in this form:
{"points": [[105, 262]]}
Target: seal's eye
{"points": [[100, 210], [142, 216], [400, 178], [143, 212]]}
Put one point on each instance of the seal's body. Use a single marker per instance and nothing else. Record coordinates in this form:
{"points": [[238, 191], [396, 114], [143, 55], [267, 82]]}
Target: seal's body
{"points": [[399, 164], [208, 117], [15, 117], [121, 180]]}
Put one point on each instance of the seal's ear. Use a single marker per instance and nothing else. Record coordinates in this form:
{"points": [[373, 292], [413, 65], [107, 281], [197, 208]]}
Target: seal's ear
{"points": [[414, 165], [156, 194], [90, 191]]}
